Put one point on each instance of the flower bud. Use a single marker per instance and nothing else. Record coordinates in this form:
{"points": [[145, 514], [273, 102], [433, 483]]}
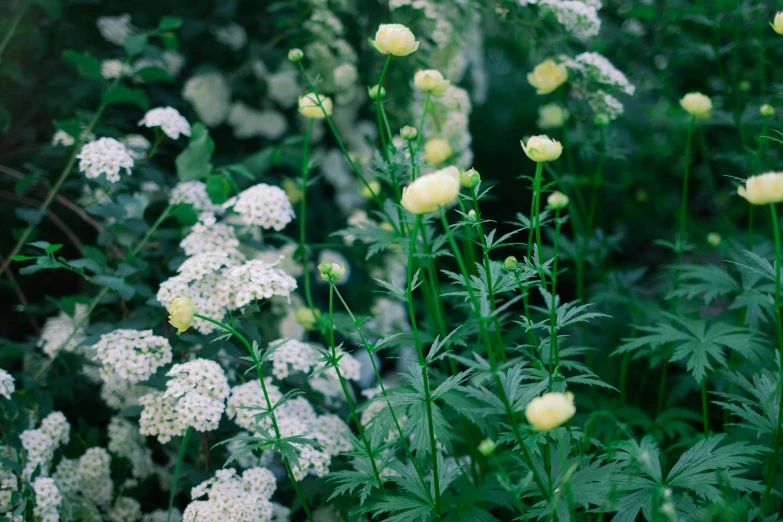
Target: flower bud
{"points": [[763, 189], [436, 151], [331, 271], [429, 192], [307, 317], [308, 106], [295, 55], [745, 86], [601, 120], [409, 133], [696, 104], [557, 200], [777, 25], [542, 148], [373, 188], [431, 82], [511, 263], [487, 447], [714, 239], [767, 110], [293, 190], [552, 116], [550, 410], [472, 215], [373, 92], [395, 39], [181, 313], [548, 76], [469, 178]]}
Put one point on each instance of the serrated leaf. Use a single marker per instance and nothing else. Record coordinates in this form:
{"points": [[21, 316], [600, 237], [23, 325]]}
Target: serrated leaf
{"points": [[194, 163]]}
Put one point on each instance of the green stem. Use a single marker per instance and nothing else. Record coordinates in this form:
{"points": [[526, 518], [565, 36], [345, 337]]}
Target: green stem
{"points": [[422, 362], [381, 130], [507, 478], [488, 270], [424, 110], [344, 150], [344, 387], [180, 455], [272, 415], [12, 29], [597, 181], [303, 215], [704, 407], [773, 465], [553, 308], [533, 226], [684, 205]]}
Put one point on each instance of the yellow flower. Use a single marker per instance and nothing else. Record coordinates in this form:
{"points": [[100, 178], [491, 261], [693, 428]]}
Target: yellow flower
{"points": [[714, 239], [308, 106], [551, 116], [767, 110], [373, 188], [469, 178], [548, 76], [431, 81], [436, 151], [293, 190], [373, 91], [542, 148], [307, 317], [777, 25], [763, 189], [181, 313], [557, 200], [550, 410], [395, 39], [487, 447], [429, 192], [696, 104]]}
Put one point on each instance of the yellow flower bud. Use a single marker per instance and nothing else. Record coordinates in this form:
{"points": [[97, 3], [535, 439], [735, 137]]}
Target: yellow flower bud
{"points": [[181, 313], [763, 189], [548, 76], [777, 25], [295, 55], [395, 39], [511, 263], [469, 178], [436, 151], [714, 239], [372, 92], [550, 410], [293, 190], [487, 447], [557, 200], [307, 317], [696, 104], [374, 188], [542, 148], [431, 81], [308, 106], [552, 116], [331, 271], [429, 192], [409, 133], [767, 110]]}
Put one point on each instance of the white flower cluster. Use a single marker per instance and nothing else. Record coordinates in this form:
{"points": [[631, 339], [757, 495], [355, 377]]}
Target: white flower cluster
{"points": [[194, 397], [283, 257], [41, 443], [137, 146], [124, 509], [115, 29], [602, 102], [58, 329], [162, 515], [6, 384], [263, 205], [249, 122], [232, 35], [169, 60], [132, 354], [210, 95], [292, 356], [255, 280], [295, 417], [119, 394], [204, 238], [597, 68], [112, 69], [170, 121], [89, 476], [105, 156], [47, 499], [390, 316], [62, 138], [578, 17], [232, 498], [193, 193], [126, 441]]}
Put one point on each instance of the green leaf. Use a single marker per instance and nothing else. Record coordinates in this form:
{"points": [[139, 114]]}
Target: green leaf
{"points": [[43, 263], [31, 216], [51, 249], [52, 7], [218, 188], [194, 162], [120, 94], [169, 23], [135, 43], [88, 66], [115, 283], [154, 74]]}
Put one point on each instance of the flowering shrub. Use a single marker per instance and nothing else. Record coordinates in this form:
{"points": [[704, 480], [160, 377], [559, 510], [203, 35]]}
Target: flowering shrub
{"points": [[390, 260]]}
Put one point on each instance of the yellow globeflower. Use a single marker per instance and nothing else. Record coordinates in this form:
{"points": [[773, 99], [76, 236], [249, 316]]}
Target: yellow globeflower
{"points": [[395, 39], [696, 104], [429, 192], [181, 313], [763, 189], [550, 410], [308, 106], [777, 24], [552, 116], [557, 200], [436, 151], [431, 81], [542, 148], [548, 76]]}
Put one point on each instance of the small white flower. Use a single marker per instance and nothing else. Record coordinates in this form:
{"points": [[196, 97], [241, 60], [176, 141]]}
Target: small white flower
{"points": [[115, 29], [263, 205], [105, 156], [232, 35], [6, 384], [112, 69], [170, 121]]}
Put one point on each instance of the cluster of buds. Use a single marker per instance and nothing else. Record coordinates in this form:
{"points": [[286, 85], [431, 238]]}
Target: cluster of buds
{"points": [[331, 271]]}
